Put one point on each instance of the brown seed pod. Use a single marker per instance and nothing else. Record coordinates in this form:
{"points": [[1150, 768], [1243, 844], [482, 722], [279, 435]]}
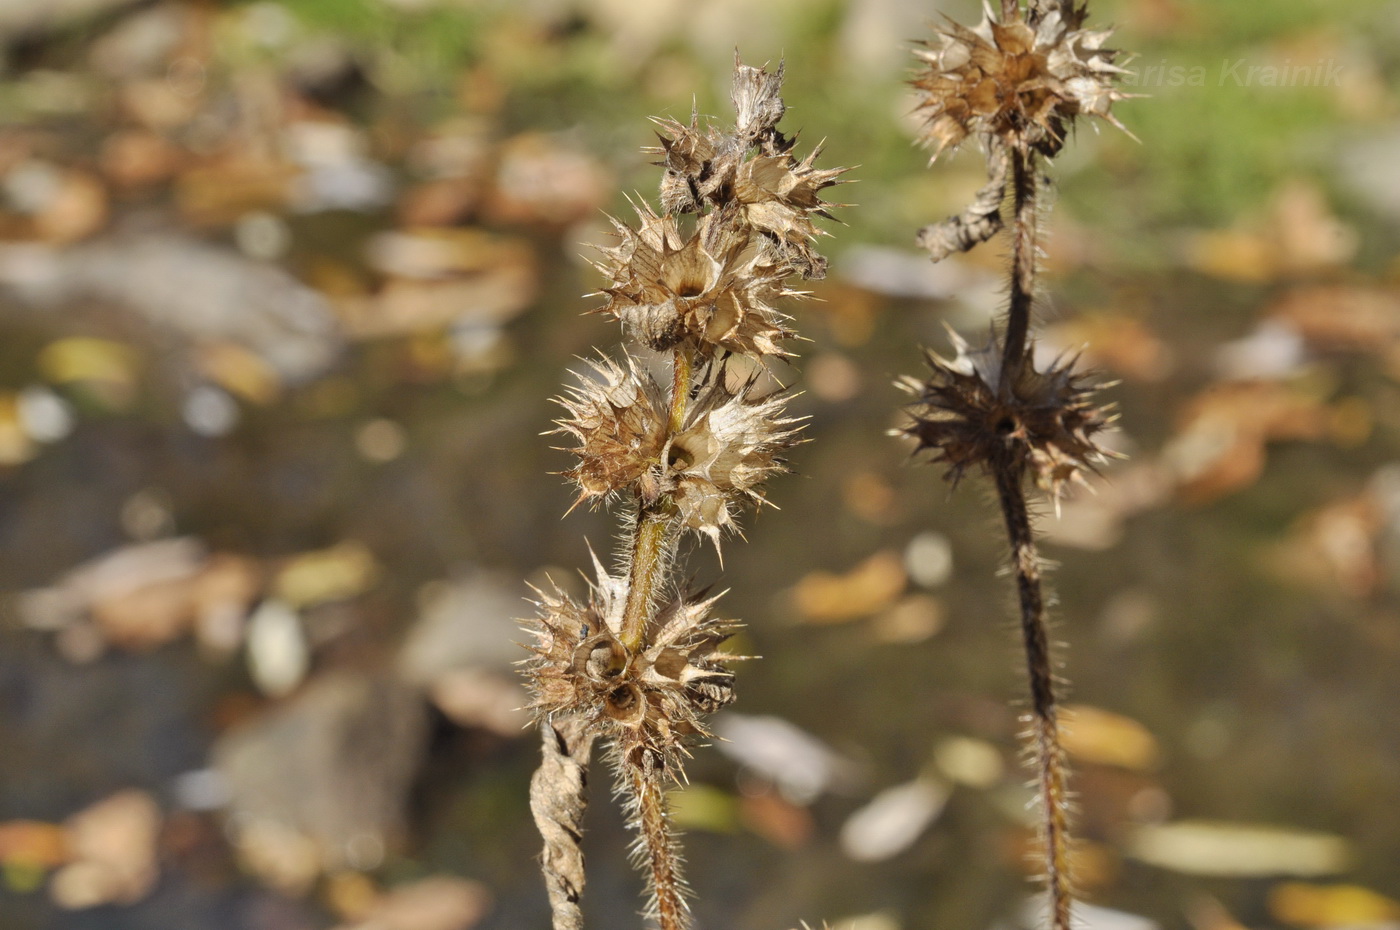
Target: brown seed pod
{"points": [[1045, 421], [650, 700], [1020, 83]]}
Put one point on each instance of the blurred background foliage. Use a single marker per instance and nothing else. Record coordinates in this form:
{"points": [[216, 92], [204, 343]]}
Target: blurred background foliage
{"points": [[286, 287]]}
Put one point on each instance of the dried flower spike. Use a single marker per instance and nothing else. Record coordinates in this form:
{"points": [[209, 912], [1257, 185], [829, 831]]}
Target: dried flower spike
{"points": [[639, 664]]}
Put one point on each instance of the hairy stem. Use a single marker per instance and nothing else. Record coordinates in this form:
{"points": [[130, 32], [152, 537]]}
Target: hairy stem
{"points": [[654, 533], [653, 539], [1049, 758], [558, 799], [657, 843], [682, 369], [1023, 266]]}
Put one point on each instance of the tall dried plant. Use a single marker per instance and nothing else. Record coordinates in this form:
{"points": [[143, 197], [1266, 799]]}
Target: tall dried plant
{"points": [[1017, 83], [639, 663]]}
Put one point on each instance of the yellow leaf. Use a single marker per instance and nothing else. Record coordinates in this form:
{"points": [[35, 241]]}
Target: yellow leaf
{"points": [[1331, 905], [873, 585], [1095, 735], [240, 372], [333, 574], [80, 358]]}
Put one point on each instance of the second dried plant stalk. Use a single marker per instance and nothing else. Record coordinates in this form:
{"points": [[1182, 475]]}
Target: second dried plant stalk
{"points": [[1016, 83]]}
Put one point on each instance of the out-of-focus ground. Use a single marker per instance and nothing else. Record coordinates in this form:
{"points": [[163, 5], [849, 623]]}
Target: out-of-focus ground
{"points": [[285, 289]]}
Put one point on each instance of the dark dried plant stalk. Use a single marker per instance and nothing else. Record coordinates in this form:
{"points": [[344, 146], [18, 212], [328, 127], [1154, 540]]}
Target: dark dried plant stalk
{"points": [[1016, 83], [639, 663]]}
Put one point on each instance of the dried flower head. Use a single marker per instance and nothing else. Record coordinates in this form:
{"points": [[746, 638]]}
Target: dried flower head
{"points": [[650, 701], [1044, 421], [618, 418], [729, 442], [749, 173], [1021, 82], [714, 289]]}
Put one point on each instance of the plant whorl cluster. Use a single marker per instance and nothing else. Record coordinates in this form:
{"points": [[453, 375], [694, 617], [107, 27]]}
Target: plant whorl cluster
{"points": [[639, 664]]}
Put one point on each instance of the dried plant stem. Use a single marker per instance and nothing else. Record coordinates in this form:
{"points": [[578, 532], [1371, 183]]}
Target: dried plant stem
{"points": [[653, 542], [975, 225], [683, 368], [1049, 758], [558, 799], [657, 843], [1023, 265]]}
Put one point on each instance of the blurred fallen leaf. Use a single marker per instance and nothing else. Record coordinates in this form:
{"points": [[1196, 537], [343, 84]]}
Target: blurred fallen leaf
{"points": [[240, 371], [351, 895], [443, 278], [965, 760], [1220, 444], [16, 445], [540, 179], [802, 766], [158, 103], [86, 358], [870, 497], [321, 780], [1091, 734], [1120, 344], [1203, 847], [77, 208], [33, 843], [1093, 518], [893, 820], [477, 697], [218, 192], [1299, 235], [1347, 317], [439, 902], [873, 585], [337, 573], [278, 654], [704, 807], [777, 819], [1336, 546], [1308, 905], [912, 619], [113, 846]]}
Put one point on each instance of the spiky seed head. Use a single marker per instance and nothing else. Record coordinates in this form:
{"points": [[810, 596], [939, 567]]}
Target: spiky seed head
{"points": [[650, 700], [1021, 83], [617, 417], [730, 443], [1044, 421], [757, 98], [715, 288], [749, 175]]}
